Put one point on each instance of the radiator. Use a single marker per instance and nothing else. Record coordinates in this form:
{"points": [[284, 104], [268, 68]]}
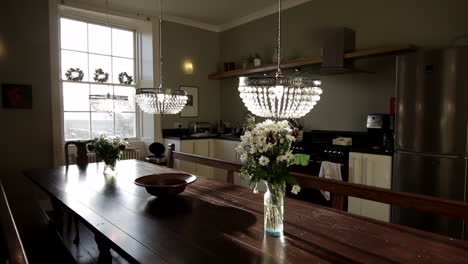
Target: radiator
{"points": [[127, 155]]}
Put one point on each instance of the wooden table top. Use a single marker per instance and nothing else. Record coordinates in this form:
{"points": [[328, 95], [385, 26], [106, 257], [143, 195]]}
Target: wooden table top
{"points": [[216, 222]]}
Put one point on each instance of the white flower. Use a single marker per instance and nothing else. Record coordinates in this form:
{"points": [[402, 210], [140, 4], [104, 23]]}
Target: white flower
{"points": [[296, 189], [244, 157], [264, 160], [289, 156]]}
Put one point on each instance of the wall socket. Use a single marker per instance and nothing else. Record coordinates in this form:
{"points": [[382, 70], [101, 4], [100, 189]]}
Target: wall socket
{"points": [[177, 125]]}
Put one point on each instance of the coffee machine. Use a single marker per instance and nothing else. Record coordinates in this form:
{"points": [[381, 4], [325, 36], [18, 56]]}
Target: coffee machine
{"points": [[380, 131]]}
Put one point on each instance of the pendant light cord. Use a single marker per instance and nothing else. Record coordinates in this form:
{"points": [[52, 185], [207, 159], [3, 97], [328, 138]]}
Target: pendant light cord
{"points": [[160, 46], [278, 72], [107, 12]]}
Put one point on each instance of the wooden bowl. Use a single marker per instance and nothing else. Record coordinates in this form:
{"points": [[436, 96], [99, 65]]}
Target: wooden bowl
{"points": [[165, 184]]}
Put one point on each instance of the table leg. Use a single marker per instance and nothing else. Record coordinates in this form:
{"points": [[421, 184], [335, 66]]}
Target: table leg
{"points": [[76, 220], [104, 249], [58, 215]]}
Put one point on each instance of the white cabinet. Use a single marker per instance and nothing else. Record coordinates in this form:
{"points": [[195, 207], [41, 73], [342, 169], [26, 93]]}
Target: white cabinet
{"points": [[202, 147], [372, 170], [224, 150]]}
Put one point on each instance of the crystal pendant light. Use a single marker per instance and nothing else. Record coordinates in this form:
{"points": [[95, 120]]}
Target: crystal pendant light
{"points": [[108, 102], [279, 97], [161, 100]]}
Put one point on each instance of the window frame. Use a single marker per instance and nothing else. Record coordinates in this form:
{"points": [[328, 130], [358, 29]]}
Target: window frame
{"points": [[114, 22]]}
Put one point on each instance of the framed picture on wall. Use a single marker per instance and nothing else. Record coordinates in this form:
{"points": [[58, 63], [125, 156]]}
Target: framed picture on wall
{"points": [[191, 108], [17, 96]]}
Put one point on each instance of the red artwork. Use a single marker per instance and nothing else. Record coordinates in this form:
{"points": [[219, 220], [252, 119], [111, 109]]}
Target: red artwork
{"points": [[16, 96]]}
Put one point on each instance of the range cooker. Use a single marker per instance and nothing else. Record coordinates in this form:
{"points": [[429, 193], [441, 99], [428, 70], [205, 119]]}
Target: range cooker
{"points": [[318, 144]]}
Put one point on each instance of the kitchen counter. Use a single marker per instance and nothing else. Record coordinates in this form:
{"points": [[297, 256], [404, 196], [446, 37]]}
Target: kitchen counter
{"points": [[370, 151], [233, 138]]}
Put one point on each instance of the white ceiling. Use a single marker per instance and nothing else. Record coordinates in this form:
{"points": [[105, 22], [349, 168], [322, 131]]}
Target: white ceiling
{"points": [[215, 15]]}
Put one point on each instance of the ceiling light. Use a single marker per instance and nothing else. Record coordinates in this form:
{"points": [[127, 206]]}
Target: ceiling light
{"points": [[161, 100], [279, 96], [108, 102]]}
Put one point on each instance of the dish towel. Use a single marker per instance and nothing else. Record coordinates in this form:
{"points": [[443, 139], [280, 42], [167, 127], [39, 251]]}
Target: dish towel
{"points": [[330, 170]]}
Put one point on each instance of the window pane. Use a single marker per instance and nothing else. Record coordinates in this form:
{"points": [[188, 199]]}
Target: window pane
{"points": [[122, 43], [102, 123], [122, 65], [125, 125], [73, 35], [75, 96], [130, 93], [76, 126], [72, 59], [99, 62], [99, 39]]}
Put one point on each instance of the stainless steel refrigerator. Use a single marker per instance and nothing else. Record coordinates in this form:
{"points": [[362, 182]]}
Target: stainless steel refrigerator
{"points": [[431, 135]]}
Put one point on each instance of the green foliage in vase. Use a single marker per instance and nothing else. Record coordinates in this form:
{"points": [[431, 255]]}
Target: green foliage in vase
{"points": [[266, 153], [108, 148]]}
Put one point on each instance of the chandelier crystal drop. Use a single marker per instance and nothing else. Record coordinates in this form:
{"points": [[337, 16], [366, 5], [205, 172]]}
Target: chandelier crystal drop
{"points": [[161, 100], [279, 97]]}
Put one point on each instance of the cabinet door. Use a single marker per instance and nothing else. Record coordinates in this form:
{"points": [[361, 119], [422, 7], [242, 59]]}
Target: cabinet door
{"points": [[377, 173], [355, 176], [188, 146], [203, 147], [221, 150], [225, 150]]}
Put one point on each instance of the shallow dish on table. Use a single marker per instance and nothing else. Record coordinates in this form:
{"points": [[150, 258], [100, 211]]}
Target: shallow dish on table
{"points": [[165, 184]]}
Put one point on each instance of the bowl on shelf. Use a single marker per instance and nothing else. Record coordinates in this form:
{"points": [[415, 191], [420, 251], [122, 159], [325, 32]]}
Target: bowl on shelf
{"points": [[165, 184]]}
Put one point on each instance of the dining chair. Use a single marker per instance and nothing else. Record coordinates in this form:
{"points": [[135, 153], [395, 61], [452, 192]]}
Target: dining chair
{"points": [[81, 161], [81, 152]]}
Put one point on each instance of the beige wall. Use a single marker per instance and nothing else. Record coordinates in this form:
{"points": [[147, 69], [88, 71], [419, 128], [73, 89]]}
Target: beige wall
{"points": [[26, 134], [202, 47], [346, 99]]}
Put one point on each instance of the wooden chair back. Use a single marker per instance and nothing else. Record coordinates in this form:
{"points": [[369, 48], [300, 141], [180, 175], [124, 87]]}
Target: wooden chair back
{"points": [[81, 152], [340, 189], [14, 246]]}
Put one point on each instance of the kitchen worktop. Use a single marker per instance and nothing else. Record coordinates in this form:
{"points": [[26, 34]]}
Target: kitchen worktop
{"points": [[368, 150], [224, 137]]}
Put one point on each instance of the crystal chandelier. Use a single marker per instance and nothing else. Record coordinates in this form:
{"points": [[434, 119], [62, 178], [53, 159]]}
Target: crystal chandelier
{"points": [[279, 97], [161, 100], [108, 102]]}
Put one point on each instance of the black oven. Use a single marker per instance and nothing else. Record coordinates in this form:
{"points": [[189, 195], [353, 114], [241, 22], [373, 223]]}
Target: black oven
{"points": [[318, 144]]}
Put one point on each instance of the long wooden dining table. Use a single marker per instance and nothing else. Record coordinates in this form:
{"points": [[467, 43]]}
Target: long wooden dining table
{"points": [[217, 222]]}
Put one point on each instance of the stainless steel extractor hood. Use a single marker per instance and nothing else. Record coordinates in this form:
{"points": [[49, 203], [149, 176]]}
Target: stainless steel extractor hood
{"points": [[335, 45]]}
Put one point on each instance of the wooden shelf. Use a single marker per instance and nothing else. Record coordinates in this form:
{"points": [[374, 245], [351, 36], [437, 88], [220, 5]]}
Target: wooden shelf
{"points": [[312, 60]]}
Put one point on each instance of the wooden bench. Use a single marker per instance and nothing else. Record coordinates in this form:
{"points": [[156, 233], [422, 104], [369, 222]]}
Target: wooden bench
{"points": [[339, 189], [14, 250], [27, 234]]}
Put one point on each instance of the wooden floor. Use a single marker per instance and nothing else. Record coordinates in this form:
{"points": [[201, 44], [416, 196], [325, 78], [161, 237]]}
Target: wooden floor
{"points": [[86, 252]]}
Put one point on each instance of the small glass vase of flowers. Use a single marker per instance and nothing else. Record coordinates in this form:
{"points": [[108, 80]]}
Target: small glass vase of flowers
{"points": [[109, 150], [265, 151]]}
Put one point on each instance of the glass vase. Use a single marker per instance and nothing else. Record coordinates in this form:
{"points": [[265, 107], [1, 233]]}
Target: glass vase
{"points": [[274, 207], [109, 167]]}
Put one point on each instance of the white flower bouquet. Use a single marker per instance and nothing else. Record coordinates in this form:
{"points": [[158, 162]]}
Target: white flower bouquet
{"points": [[265, 150], [109, 149]]}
